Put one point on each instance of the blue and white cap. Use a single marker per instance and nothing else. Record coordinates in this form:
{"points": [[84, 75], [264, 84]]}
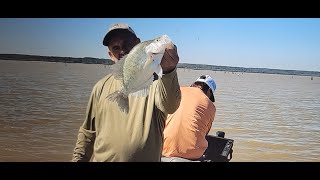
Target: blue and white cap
{"points": [[210, 82]]}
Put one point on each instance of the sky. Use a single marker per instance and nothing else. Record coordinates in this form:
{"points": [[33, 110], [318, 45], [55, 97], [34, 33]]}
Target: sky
{"points": [[276, 43]]}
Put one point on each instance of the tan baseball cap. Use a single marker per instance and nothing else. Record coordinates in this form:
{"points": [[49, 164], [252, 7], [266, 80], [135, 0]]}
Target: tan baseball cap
{"points": [[115, 27]]}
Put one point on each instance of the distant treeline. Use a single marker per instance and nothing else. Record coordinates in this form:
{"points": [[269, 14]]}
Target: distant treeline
{"points": [[90, 60], [248, 70], [85, 60]]}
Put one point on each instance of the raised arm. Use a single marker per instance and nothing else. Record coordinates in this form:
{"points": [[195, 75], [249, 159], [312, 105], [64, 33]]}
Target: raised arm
{"points": [[169, 94]]}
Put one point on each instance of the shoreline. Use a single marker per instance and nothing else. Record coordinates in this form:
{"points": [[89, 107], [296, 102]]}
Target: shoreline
{"points": [[90, 60]]}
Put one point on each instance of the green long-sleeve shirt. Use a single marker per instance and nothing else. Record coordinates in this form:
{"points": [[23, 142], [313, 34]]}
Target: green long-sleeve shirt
{"points": [[110, 134]]}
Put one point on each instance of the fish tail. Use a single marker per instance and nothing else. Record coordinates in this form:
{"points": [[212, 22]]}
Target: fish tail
{"points": [[121, 99]]}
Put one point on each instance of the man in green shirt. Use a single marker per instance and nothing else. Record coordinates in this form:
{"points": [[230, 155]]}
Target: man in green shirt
{"points": [[111, 135]]}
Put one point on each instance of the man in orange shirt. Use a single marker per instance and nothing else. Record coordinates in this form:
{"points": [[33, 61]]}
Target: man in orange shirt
{"points": [[186, 129]]}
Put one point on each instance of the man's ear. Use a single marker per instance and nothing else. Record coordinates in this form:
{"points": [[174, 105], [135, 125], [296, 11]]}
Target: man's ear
{"points": [[113, 58], [111, 55], [209, 93]]}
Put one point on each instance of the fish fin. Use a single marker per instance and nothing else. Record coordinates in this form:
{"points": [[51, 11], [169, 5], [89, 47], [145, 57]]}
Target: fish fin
{"points": [[117, 68], [154, 61], [148, 62], [157, 58], [121, 99], [159, 71]]}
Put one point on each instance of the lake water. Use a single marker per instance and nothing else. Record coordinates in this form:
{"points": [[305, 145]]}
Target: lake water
{"points": [[270, 117]]}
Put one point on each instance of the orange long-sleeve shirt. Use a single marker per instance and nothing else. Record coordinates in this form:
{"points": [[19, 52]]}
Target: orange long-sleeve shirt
{"points": [[186, 128]]}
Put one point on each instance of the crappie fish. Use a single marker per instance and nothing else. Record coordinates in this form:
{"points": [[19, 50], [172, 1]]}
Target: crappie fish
{"points": [[136, 70]]}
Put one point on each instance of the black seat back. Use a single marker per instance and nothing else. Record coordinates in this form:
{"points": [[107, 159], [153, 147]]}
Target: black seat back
{"points": [[219, 149]]}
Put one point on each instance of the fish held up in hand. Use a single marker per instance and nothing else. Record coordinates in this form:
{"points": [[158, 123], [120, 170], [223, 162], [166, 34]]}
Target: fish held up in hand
{"points": [[137, 69]]}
